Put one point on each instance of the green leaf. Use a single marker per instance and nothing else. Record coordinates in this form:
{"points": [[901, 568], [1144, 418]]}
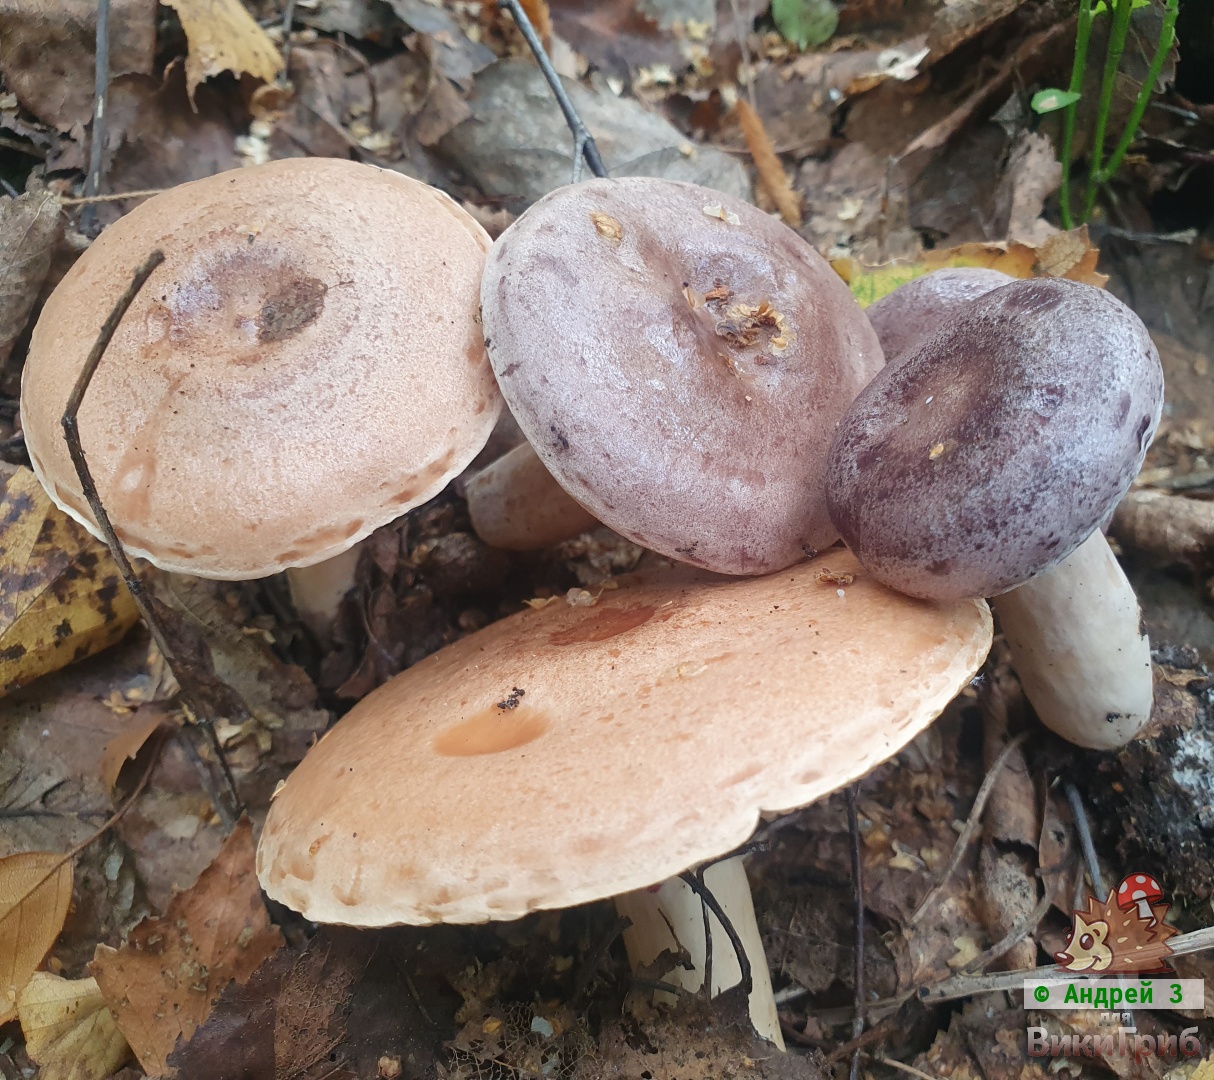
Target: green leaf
{"points": [[805, 22], [1053, 99]]}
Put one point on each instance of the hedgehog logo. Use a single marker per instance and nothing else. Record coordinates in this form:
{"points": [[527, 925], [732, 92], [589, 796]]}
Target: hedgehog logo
{"points": [[1124, 933]]}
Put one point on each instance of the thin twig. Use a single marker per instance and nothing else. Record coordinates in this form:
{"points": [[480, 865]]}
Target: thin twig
{"points": [[113, 197], [695, 880], [961, 986], [857, 878], [873, 1035], [22, 148], [288, 20], [971, 825], [583, 142], [71, 432], [101, 82], [1019, 931], [1085, 838], [108, 824], [903, 1067], [71, 429]]}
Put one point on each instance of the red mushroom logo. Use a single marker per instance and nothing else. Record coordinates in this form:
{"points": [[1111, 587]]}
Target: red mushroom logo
{"points": [[1141, 891], [1122, 934]]}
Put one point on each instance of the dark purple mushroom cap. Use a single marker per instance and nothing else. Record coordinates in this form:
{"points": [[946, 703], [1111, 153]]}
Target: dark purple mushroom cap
{"points": [[916, 309], [996, 445], [679, 361]]}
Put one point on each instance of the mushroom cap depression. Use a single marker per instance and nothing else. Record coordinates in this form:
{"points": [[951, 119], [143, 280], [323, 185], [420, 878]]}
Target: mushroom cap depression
{"points": [[994, 447], [679, 360], [914, 310], [305, 366], [568, 754]]}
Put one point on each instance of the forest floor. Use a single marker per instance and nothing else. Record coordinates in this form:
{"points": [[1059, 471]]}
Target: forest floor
{"points": [[902, 137]]}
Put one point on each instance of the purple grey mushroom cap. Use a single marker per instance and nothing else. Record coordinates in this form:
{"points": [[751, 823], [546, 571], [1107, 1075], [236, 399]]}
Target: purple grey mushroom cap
{"points": [[997, 444], [679, 361], [912, 311]]}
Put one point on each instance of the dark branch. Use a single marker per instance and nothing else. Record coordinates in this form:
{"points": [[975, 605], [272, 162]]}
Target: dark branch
{"points": [[101, 83], [583, 141], [857, 877], [695, 881], [143, 600]]}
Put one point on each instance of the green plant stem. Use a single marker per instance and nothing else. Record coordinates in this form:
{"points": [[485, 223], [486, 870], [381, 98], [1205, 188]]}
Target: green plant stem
{"points": [[1167, 37], [1122, 9], [1083, 33]]}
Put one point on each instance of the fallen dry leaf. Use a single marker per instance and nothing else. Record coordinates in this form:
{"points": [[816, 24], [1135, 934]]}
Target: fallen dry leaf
{"points": [[223, 36], [450, 50], [46, 52], [1069, 255], [333, 1012], [126, 744], [771, 170], [616, 36], [30, 227], [1057, 853], [165, 978], [35, 893], [161, 136], [1007, 893], [1032, 175], [61, 596], [69, 1032]]}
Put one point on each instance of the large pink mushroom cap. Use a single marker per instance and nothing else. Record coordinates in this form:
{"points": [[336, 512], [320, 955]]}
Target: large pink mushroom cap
{"points": [[679, 361]]}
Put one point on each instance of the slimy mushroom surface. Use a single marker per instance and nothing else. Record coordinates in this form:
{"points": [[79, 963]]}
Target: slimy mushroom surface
{"points": [[914, 310], [998, 443], [679, 360], [305, 366]]}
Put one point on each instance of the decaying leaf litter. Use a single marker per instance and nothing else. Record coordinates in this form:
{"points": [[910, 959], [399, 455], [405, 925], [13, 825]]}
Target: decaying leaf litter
{"points": [[877, 144]]}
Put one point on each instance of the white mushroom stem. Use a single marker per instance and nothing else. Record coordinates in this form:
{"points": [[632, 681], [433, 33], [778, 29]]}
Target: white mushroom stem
{"points": [[670, 918], [516, 504], [1077, 642], [318, 590]]}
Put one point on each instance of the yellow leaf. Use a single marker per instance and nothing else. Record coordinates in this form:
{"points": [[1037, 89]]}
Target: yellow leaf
{"points": [[61, 596], [69, 1031], [223, 36], [1204, 1071], [1068, 255], [35, 893]]}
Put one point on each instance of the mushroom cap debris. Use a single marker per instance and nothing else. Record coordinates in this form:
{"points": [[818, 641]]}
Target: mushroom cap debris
{"points": [[679, 360], [995, 446], [568, 754], [304, 367]]}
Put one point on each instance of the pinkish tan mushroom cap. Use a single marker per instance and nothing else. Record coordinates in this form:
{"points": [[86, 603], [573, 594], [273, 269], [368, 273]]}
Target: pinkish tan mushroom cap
{"points": [[305, 366], [679, 360], [916, 309], [572, 753]]}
